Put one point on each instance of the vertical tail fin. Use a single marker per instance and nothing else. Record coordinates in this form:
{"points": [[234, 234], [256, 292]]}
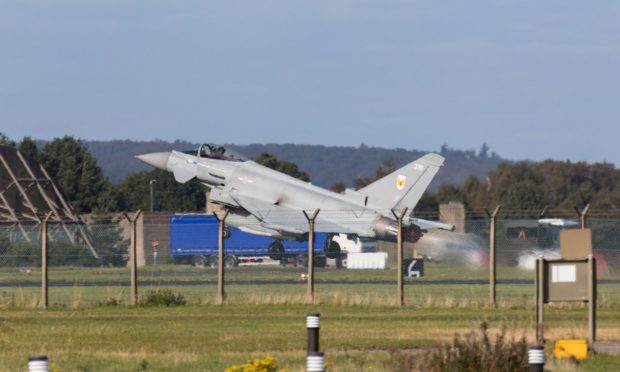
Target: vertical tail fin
{"points": [[404, 187]]}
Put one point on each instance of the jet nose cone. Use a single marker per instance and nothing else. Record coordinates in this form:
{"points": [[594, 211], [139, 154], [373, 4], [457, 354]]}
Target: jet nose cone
{"points": [[156, 159]]}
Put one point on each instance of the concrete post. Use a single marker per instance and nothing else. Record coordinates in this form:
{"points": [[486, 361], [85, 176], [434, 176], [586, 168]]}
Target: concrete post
{"points": [[310, 287], [492, 257], [44, 262], [133, 256], [134, 259], [399, 256], [540, 275], [591, 300], [221, 291], [582, 215]]}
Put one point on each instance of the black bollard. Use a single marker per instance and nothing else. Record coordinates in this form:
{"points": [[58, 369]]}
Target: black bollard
{"points": [[536, 358], [313, 324]]}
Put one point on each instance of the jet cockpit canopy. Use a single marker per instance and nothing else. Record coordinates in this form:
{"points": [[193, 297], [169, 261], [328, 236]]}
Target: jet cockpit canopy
{"points": [[211, 151]]}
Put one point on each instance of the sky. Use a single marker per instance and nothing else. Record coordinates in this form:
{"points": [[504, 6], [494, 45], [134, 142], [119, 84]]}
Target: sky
{"points": [[534, 79]]}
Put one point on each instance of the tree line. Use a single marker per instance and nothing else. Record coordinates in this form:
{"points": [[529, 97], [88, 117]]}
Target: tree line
{"points": [[515, 185], [115, 157], [559, 185], [81, 180]]}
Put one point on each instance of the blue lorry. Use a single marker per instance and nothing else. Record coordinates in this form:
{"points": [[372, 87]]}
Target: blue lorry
{"points": [[196, 236]]}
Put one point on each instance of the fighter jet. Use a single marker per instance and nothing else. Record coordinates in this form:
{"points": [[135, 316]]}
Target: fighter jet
{"points": [[266, 202]]}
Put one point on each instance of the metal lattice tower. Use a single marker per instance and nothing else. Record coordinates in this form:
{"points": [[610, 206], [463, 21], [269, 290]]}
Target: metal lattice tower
{"points": [[27, 193]]}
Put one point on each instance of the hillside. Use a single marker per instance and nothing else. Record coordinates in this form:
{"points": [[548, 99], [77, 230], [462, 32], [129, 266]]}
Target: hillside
{"points": [[326, 165]]}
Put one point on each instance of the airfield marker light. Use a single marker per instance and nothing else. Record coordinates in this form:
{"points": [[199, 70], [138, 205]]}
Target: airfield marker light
{"points": [[38, 364], [315, 362], [313, 325], [536, 358]]}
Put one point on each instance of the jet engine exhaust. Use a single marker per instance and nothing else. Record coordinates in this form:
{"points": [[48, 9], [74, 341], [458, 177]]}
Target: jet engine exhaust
{"points": [[454, 248], [388, 231]]}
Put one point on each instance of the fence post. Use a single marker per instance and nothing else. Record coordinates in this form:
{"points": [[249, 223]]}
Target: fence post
{"points": [[310, 287], [414, 250], [133, 256], [221, 292], [591, 300], [399, 256], [44, 262], [540, 303], [582, 215], [492, 258]]}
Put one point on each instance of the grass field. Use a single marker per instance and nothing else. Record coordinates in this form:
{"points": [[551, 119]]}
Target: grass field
{"points": [[197, 338], [275, 285], [434, 271], [361, 329]]}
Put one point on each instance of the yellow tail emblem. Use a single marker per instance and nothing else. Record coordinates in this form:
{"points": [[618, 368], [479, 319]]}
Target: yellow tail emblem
{"points": [[401, 181]]}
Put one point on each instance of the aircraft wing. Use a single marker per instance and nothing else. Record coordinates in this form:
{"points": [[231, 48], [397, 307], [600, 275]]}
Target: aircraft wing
{"points": [[292, 221]]}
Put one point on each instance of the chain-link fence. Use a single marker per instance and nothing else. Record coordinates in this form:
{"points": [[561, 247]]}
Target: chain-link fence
{"points": [[180, 253]]}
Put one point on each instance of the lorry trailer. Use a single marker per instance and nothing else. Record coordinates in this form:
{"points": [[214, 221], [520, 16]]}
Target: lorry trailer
{"points": [[196, 236]]}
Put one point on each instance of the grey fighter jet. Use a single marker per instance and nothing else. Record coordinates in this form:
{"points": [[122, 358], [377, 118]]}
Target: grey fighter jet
{"points": [[266, 202]]}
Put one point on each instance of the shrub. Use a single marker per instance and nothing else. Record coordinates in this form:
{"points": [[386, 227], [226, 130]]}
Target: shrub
{"points": [[162, 297], [477, 352], [474, 352]]}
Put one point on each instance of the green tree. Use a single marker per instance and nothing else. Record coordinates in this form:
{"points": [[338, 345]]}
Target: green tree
{"points": [[449, 193], [62, 253], [168, 195], [28, 147], [428, 202], [388, 166], [93, 187], [108, 239], [77, 174], [283, 166], [6, 141], [532, 186], [338, 187], [484, 151]]}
